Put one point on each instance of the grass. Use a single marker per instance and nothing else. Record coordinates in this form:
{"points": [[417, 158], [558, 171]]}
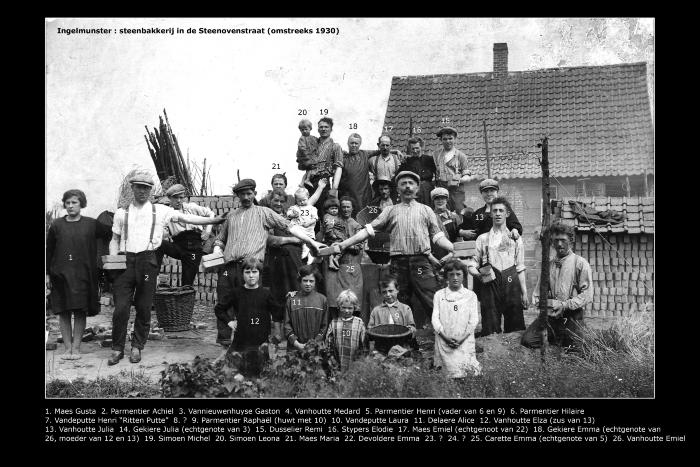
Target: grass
{"points": [[127, 384], [613, 363]]}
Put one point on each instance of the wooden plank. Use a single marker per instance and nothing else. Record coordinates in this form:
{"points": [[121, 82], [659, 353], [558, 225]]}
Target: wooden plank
{"points": [[114, 259]]}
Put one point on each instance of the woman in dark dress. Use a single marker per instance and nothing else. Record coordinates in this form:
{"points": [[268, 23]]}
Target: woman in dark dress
{"points": [[71, 259], [282, 261]]}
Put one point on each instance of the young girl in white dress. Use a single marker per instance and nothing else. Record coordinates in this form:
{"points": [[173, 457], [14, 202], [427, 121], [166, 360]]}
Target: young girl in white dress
{"points": [[454, 320]]}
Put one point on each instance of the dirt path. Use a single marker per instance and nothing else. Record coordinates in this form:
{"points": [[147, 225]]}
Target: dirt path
{"points": [[173, 347]]}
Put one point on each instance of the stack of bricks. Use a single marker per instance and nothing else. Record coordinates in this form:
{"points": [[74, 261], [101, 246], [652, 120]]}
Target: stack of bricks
{"points": [[204, 282], [622, 267], [621, 254]]}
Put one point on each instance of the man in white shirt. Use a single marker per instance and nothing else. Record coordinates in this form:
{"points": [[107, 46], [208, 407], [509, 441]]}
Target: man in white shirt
{"points": [[506, 294], [138, 232], [186, 240]]}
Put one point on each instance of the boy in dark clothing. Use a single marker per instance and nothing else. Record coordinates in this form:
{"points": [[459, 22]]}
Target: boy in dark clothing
{"points": [[481, 221]]}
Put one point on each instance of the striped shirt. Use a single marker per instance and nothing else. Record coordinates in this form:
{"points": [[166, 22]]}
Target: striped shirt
{"points": [[330, 156], [244, 234], [450, 168], [175, 228], [498, 249], [347, 339], [305, 317], [411, 227], [396, 313]]}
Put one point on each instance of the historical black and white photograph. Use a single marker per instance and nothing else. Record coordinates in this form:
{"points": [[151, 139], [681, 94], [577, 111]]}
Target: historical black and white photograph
{"points": [[349, 208]]}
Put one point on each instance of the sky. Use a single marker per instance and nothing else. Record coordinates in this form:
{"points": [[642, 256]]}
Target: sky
{"points": [[235, 99]]}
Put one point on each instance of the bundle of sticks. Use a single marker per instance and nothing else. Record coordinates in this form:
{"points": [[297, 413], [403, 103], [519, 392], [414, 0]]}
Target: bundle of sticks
{"points": [[167, 157]]}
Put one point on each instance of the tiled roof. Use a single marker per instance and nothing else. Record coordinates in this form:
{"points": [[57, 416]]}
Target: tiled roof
{"points": [[639, 214], [597, 118]]}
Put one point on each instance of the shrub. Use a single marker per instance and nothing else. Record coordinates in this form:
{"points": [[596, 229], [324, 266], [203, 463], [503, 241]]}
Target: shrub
{"points": [[139, 385]]}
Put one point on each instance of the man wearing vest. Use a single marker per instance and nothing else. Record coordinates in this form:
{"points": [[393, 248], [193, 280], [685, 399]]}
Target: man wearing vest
{"points": [[138, 232], [569, 291]]}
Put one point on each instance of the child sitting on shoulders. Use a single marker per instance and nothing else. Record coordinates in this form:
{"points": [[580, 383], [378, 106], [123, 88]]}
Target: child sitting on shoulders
{"points": [[305, 214], [333, 229], [347, 336]]}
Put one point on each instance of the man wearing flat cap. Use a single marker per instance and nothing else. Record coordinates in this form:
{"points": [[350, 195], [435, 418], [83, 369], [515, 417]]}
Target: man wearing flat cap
{"points": [[449, 221], [481, 222], [244, 235], [138, 232], [186, 240], [411, 227], [451, 166]]}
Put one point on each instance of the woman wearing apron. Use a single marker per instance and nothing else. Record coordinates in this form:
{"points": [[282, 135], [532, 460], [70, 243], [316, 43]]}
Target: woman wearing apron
{"points": [[454, 319], [348, 276]]}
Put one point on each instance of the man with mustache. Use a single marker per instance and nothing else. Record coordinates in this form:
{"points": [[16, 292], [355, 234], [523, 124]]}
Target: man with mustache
{"points": [[411, 226], [244, 235], [570, 290]]}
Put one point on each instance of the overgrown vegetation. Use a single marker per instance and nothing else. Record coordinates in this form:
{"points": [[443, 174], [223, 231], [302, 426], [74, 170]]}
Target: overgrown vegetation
{"points": [[617, 362], [114, 386]]}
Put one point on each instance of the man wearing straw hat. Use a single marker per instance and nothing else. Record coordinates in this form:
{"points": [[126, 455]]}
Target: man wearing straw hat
{"points": [[411, 226], [499, 265], [244, 235], [451, 167], [186, 244], [138, 232]]}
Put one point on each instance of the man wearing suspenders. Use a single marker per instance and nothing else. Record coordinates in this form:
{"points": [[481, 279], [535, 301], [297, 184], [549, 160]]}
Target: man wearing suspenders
{"points": [[138, 232]]}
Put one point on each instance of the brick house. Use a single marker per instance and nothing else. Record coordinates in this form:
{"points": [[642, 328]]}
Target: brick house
{"points": [[621, 256], [597, 118]]}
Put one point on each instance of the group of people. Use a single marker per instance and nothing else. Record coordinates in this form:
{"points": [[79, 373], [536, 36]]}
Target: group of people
{"points": [[275, 285]]}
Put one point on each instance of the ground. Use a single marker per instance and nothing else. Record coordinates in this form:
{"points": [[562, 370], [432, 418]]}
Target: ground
{"points": [[182, 347]]}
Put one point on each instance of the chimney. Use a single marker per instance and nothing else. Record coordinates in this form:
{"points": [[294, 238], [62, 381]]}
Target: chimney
{"points": [[500, 60]]}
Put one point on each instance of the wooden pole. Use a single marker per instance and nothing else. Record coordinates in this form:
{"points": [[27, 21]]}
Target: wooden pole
{"points": [[627, 185], [545, 240], [488, 156], [646, 184]]}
